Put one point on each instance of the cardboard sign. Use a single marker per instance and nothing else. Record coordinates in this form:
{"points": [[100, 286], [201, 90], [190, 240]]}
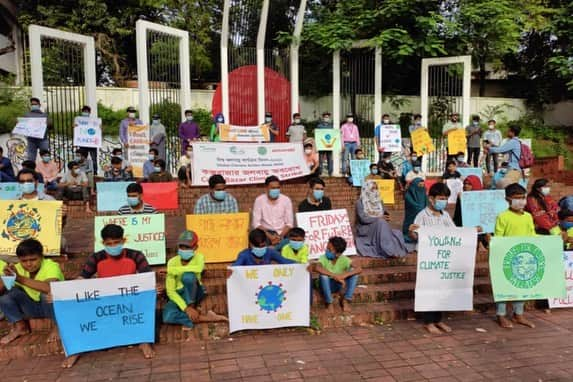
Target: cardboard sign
{"points": [[327, 139], [30, 219], [480, 208], [13, 191], [31, 127], [144, 232], [103, 313], [566, 302], [457, 141], [321, 226], [456, 186], [386, 189], [138, 151], [162, 196], [268, 296], [221, 236], [467, 171], [231, 133], [359, 169], [422, 142], [390, 138], [87, 132], [527, 268], [111, 196], [445, 271]]}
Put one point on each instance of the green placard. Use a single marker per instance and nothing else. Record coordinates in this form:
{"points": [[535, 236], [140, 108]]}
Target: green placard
{"points": [[327, 139], [527, 268]]}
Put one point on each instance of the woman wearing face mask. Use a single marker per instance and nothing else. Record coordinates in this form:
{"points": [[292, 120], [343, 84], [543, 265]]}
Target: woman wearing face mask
{"points": [[158, 136], [415, 200], [374, 236], [543, 209], [215, 133]]}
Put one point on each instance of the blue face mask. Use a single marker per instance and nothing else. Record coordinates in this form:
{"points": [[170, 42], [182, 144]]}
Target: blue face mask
{"points": [[132, 201], [220, 195], [503, 171], [330, 255], [35, 107], [156, 169], [259, 251], [46, 159], [440, 205], [417, 169], [274, 193], [296, 245], [567, 225], [114, 251], [85, 114], [374, 171], [27, 188], [186, 254], [318, 194]]}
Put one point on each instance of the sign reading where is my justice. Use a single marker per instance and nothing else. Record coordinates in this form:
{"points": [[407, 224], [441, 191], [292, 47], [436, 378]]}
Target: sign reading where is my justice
{"points": [[103, 313]]}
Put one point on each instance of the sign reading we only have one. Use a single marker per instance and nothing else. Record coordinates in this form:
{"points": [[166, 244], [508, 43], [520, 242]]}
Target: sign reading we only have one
{"points": [[102, 313], [445, 271]]}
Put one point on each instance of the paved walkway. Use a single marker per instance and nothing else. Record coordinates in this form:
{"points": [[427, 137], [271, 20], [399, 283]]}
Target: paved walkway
{"points": [[398, 352]]}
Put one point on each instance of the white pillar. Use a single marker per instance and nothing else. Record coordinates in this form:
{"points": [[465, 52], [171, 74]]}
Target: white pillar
{"points": [[377, 91], [294, 62], [261, 62], [142, 74], [336, 107], [466, 90], [90, 75], [184, 73], [225, 61], [36, 61]]}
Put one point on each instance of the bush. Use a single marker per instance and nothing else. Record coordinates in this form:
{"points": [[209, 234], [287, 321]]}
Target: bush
{"points": [[110, 119], [205, 120], [14, 102]]}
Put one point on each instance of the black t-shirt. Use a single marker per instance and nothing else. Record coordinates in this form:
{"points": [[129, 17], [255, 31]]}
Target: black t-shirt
{"points": [[324, 205]]}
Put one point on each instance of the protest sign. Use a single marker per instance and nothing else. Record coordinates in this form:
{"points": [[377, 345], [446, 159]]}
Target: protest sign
{"points": [[31, 127], [268, 296], [106, 312], [31, 219], [428, 183], [386, 189], [221, 236], [457, 141], [231, 133], [87, 132], [327, 139], [390, 139], [526, 268], [111, 196], [144, 232], [359, 169], [445, 270], [480, 208], [467, 171], [247, 163], [13, 191], [422, 142], [321, 226], [138, 150], [162, 196], [456, 186], [566, 302]]}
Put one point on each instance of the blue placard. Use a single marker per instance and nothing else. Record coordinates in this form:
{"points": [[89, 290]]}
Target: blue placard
{"points": [[466, 171], [111, 196], [12, 191], [359, 169], [480, 208], [105, 312]]}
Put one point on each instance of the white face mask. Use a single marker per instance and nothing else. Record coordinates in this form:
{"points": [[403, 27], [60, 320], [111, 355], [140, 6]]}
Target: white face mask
{"points": [[545, 190], [491, 127], [308, 151], [350, 120], [518, 204], [131, 115], [326, 119], [297, 120], [189, 117], [268, 119], [386, 121]]}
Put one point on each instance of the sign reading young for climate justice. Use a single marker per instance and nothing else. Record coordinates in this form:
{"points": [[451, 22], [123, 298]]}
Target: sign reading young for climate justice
{"points": [[321, 226]]}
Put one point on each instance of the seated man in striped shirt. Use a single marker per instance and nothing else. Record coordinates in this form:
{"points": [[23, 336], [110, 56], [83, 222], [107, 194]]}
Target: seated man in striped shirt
{"points": [[135, 204]]}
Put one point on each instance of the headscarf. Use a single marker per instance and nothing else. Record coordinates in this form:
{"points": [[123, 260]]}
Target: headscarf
{"points": [[216, 119], [475, 182], [370, 198], [415, 200]]}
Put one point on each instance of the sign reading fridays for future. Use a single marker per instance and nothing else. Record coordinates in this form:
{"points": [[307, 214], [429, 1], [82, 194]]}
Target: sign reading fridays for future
{"points": [[105, 312], [445, 271]]}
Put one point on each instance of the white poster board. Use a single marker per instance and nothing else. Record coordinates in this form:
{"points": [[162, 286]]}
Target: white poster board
{"points": [[138, 150], [566, 302], [391, 138], [456, 186], [87, 132], [31, 127]]}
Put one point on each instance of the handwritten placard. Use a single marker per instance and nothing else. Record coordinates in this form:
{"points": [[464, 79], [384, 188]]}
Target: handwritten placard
{"points": [[457, 141], [31, 127], [221, 236], [327, 139], [105, 312], [138, 150], [566, 302], [386, 189], [359, 169], [480, 208], [390, 138], [232, 133], [13, 190], [467, 171], [456, 186], [422, 142], [111, 196], [87, 132]]}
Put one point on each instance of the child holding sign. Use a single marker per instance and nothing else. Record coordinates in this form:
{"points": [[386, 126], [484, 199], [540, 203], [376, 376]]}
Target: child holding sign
{"points": [[183, 284], [514, 222], [28, 298]]}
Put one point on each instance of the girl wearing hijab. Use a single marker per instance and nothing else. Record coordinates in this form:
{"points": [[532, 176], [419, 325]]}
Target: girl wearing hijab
{"points": [[374, 236], [543, 209], [415, 200], [215, 133]]}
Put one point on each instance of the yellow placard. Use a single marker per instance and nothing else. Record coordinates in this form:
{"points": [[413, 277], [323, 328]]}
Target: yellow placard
{"points": [[422, 142], [222, 236], [386, 189], [230, 133], [33, 219], [457, 141]]}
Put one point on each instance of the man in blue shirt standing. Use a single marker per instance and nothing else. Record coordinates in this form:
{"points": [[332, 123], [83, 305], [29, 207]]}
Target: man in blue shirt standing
{"points": [[513, 149], [6, 169]]}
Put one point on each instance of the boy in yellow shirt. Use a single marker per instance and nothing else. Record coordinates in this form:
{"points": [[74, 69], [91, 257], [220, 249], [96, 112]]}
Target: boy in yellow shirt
{"points": [[296, 249], [27, 299], [514, 222], [183, 285]]}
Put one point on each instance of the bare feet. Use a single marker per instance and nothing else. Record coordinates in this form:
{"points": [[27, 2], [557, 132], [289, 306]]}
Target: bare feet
{"points": [[19, 329], [70, 361], [444, 327], [504, 322], [212, 317], [432, 329], [345, 305], [147, 351], [330, 308], [519, 319], [54, 335]]}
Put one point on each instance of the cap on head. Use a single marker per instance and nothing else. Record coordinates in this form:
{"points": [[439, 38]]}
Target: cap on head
{"points": [[131, 109], [188, 238]]}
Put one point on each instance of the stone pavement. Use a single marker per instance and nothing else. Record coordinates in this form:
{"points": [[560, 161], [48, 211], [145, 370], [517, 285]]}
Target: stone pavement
{"points": [[401, 351]]}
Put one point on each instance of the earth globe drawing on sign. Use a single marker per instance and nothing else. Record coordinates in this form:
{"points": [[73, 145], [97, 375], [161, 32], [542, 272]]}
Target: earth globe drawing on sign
{"points": [[524, 266], [21, 224], [270, 297], [91, 131]]}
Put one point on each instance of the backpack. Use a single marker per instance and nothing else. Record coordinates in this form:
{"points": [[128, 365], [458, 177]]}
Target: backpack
{"points": [[526, 158]]}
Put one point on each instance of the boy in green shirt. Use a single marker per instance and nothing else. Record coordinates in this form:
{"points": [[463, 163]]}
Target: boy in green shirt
{"points": [[336, 272], [296, 249], [514, 222], [183, 285], [27, 299]]}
